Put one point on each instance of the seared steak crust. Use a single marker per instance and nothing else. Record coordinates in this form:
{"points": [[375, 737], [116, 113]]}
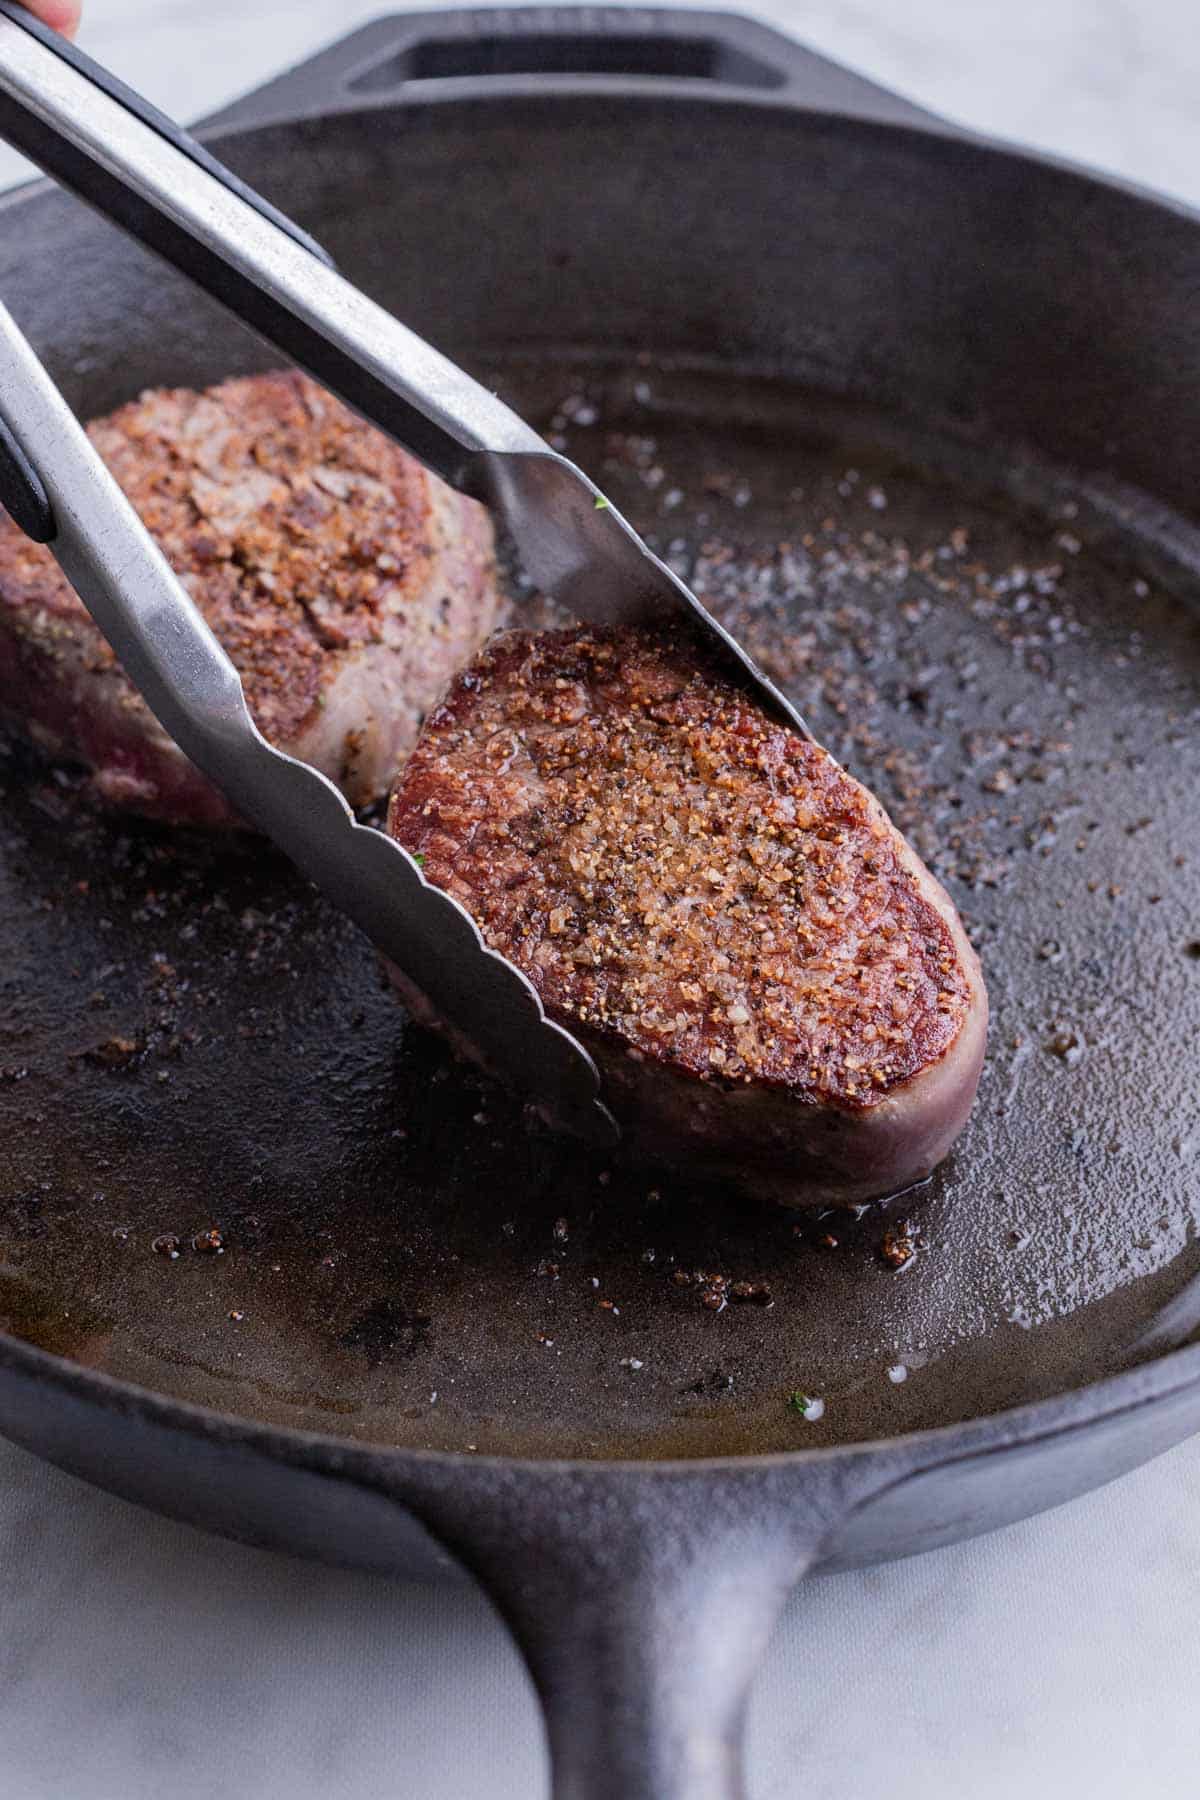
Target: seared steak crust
{"points": [[346, 583], [719, 911]]}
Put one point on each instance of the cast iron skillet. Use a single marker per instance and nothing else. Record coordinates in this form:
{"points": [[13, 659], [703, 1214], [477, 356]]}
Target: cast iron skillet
{"points": [[915, 412]]}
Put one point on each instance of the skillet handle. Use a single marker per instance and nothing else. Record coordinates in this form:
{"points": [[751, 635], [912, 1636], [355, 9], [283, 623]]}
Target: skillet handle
{"points": [[459, 53], [643, 1617], [642, 1597]]}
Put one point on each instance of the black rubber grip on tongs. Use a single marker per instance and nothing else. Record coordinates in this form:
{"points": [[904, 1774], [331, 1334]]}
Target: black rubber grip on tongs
{"points": [[22, 494]]}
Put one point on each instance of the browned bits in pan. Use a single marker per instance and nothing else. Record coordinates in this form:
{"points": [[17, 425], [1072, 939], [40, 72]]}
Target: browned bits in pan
{"points": [[756, 1293], [115, 1053], [899, 1244]]}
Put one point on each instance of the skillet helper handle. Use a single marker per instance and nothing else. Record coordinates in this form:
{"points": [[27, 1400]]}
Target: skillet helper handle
{"points": [[510, 50], [107, 145]]}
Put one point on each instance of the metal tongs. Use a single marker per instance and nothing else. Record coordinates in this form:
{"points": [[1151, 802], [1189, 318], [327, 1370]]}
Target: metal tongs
{"points": [[139, 169]]}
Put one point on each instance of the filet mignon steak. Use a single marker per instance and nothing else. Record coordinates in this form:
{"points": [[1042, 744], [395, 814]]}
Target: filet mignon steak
{"points": [[346, 583], [776, 990]]}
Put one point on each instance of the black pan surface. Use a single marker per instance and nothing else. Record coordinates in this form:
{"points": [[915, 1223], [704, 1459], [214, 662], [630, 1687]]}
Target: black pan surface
{"points": [[191, 1042]]}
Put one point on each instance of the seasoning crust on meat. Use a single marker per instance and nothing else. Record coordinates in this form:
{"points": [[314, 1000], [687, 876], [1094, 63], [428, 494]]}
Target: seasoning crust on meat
{"points": [[345, 582], [692, 886]]}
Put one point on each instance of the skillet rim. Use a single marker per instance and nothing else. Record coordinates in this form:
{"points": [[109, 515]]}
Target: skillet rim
{"points": [[1128, 1391]]}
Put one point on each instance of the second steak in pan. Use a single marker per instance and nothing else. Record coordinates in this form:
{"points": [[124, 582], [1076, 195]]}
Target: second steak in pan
{"points": [[346, 583]]}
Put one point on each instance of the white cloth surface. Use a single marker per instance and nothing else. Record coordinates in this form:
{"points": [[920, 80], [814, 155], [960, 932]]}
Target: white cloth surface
{"points": [[139, 1659]]}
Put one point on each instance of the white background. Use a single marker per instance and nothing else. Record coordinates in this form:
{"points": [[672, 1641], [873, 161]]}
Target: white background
{"points": [[139, 1660]]}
